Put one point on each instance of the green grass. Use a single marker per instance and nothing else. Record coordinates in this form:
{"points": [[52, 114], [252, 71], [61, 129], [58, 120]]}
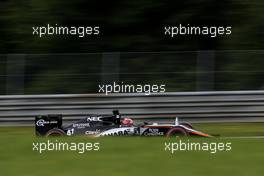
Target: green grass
{"points": [[232, 129], [121, 156]]}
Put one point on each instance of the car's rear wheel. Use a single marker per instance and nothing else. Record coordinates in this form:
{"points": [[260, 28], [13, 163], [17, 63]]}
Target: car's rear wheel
{"points": [[55, 132], [188, 125], [177, 132]]}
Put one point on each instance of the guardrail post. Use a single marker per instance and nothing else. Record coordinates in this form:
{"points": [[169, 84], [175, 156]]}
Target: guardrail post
{"points": [[110, 67], [15, 74], [2, 73], [205, 70]]}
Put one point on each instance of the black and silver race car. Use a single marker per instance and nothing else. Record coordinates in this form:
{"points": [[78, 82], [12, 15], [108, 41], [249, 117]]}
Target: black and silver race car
{"points": [[112, 125]]}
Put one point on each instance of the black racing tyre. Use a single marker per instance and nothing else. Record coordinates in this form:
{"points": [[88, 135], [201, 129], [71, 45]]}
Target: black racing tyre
{"points": [[188, 125], [55, 132], [177, 132]]}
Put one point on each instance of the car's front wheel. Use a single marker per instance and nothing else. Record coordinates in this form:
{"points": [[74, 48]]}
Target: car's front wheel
{"points": [[177, 132], [188, 125]]}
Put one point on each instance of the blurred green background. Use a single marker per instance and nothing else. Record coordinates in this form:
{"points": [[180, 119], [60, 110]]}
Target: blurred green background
{"points": [[129, 25], [132, 47], [206, 70]]}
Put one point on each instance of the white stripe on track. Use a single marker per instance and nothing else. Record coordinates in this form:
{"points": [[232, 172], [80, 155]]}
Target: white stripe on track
{"points": [[243, 137]]}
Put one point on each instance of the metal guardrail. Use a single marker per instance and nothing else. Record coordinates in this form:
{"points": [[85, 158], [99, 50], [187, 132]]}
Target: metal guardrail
{"points": [[224, 106]]}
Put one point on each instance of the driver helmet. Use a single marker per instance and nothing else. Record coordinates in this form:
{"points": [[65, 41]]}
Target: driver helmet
{"points": [[127, 122]]}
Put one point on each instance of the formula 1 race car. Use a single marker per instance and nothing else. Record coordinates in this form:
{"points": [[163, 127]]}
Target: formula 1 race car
{"points": [[112, 125]]}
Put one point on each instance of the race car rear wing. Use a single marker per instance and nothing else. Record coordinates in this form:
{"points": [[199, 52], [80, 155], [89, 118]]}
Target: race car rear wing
{"points": [[44, 123]]}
